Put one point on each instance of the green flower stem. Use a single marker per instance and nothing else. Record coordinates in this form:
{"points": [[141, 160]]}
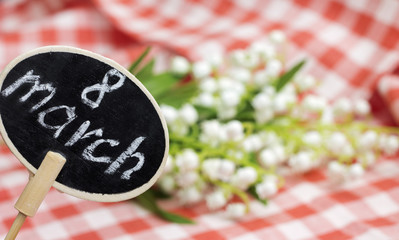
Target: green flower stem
{"points": [[245, 162], [231, 189], [249, 127], [187, 141], [195, 131]]}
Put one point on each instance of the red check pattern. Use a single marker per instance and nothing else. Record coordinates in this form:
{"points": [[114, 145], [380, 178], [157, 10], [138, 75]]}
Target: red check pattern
{"points": [[353, 46]]}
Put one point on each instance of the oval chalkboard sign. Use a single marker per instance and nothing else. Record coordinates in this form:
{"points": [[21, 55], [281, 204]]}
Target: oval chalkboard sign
{"points": [[92, 111]]}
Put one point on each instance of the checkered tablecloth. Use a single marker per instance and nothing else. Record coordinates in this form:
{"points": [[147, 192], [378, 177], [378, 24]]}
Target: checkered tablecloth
{"points": [[353, 46]]}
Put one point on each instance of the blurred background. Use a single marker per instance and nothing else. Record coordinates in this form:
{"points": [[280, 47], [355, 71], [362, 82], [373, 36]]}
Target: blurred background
{"points": [[351, 46]]}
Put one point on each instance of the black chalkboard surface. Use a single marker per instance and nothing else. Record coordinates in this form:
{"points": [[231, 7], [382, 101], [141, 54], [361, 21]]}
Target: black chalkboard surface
{"points": [[92, 111]]}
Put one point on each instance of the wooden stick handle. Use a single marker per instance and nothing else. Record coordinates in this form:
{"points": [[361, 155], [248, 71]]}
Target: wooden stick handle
{"points": [[33, 195], [16, 226]]}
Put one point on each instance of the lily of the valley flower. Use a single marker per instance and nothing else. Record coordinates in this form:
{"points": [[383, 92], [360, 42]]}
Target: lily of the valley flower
{"points": [[180, 65], [236, 210], [216, 200], [244, 177], [266, 189], [245, 127]]}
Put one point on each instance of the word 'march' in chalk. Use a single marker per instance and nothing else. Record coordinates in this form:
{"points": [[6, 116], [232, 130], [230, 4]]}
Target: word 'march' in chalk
{"points": [[92, 111], [129, 153], [87, 153], [30, 78], [70, 112], [80, 134]]}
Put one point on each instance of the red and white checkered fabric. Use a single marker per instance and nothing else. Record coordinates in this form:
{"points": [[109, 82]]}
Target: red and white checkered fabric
{"points": [[352, 46]]}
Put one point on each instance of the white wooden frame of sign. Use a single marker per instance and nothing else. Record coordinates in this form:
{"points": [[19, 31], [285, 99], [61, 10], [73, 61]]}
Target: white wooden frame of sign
{"points": [[99, 197]]}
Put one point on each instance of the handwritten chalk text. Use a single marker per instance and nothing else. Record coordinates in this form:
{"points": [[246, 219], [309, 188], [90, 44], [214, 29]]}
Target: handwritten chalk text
{"points": [[70, 115]]}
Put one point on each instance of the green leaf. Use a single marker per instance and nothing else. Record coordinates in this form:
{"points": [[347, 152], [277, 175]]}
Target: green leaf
{"points": [[246, 115], [159, 194], [252, 157], [252, 191], [172, 217], [288, 76], [205, 112], [145, 74], [159, 84], [165, 87], [135, 64], [178, 95], [148, 201]]}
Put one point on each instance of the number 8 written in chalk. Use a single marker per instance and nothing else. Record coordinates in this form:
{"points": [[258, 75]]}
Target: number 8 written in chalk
{"points": [[87, 154]]}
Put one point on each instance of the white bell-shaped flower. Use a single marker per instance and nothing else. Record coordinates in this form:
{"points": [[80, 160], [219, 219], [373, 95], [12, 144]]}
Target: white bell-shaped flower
{"points": [[208, 84], [274, 67], [314, 103], [244, 177], [240, 74], [302, 161], [234, 130], [229, 98], [261, 78], [185, 179], [268, 158], [368, 158], [269, 91], [337, 171], [336, 142], [262, 101], [215, 59], [167, 183], [236, 210], [205, 99], [282, 102], [201, 69], [252, 143], [225, 112], [187, 160], [188, 114], [226, 170], [264, 115], [389, 144], [305, 83], [211, 132], [216, 200], [264, 49], [280, 152], [277, 36], [266, 189], [210, 167], [368, 140], [356, 170], [361, 107], [170, 113], [180, 65], [312, 138], [342, 106], [245, 59], [189, 195]]}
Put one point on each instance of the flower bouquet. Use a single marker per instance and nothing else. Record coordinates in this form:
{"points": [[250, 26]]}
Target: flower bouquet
{"points": [[239, 124]]}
